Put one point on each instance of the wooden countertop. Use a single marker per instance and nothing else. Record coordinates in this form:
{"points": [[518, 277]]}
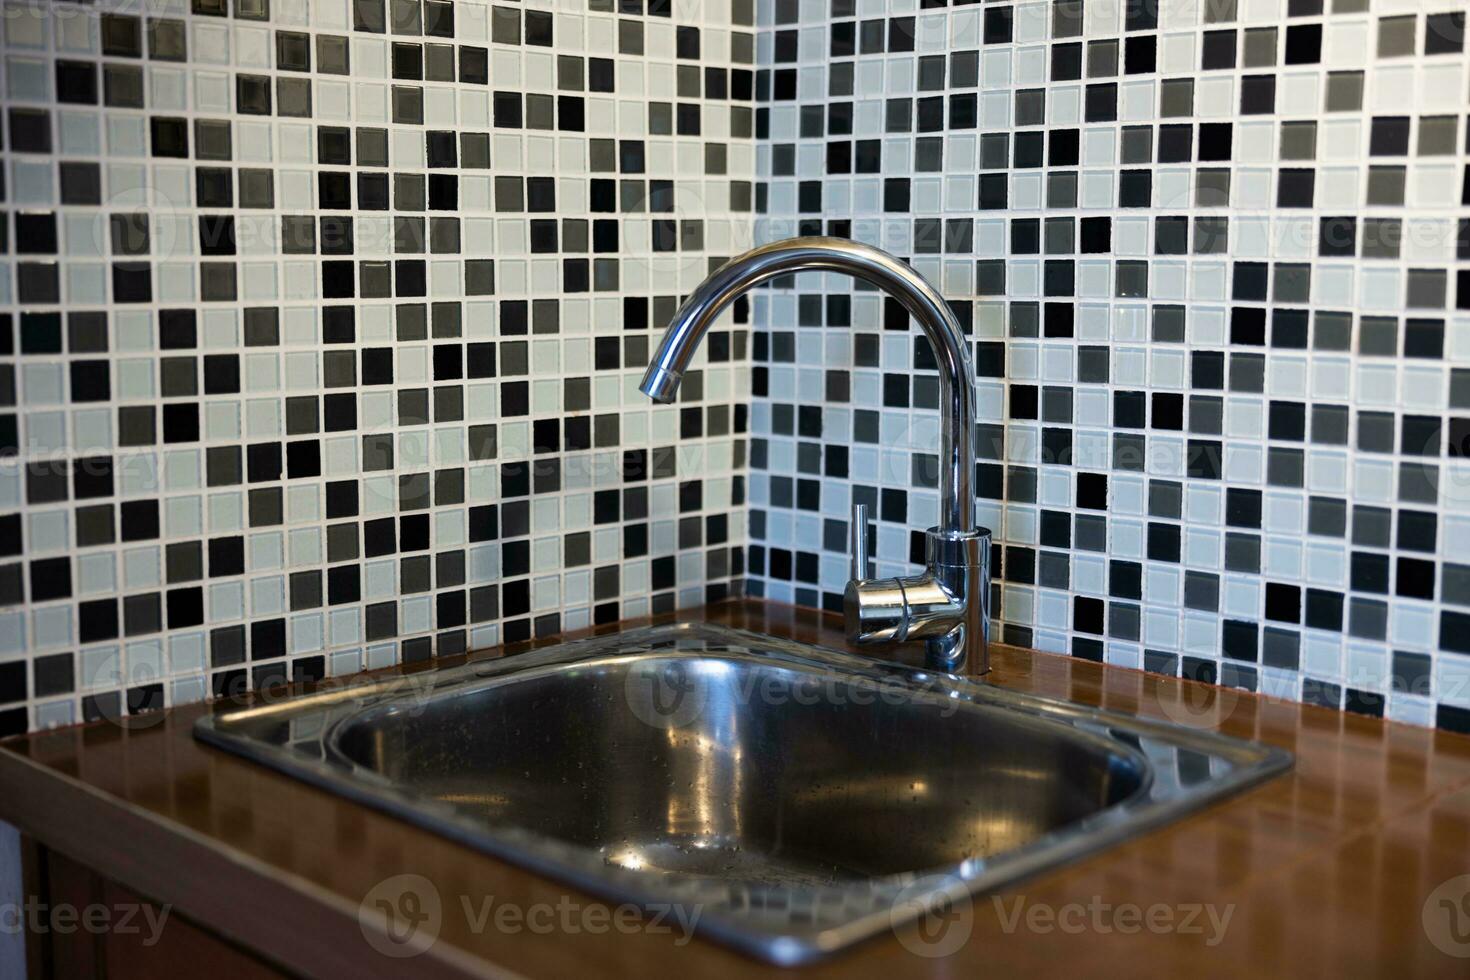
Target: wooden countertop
{"points": [[1325, 871]]}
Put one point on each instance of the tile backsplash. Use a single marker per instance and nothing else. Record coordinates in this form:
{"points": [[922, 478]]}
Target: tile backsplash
{"points": [[321, 326], [1213, 258]]}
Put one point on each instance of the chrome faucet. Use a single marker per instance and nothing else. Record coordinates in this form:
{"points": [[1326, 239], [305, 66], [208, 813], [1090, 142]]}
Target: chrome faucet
{"points": [[948, 604]]}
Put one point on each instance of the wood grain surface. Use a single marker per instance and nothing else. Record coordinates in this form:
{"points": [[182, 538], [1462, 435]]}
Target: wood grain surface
{"points": [[1325, 871]]}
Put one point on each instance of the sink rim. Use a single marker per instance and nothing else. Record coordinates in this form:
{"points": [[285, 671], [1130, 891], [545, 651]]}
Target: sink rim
{"points": [[1152, 804]]}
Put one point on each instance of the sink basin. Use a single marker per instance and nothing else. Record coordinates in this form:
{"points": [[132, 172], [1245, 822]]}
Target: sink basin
{"points": [[796, 799]]}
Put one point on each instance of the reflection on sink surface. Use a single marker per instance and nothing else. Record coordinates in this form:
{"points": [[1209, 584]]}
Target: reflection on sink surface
{"points": [[740, 785], [798, 798]]}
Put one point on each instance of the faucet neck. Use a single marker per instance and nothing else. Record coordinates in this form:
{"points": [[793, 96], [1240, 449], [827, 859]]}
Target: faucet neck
{"points": [[924, 304]]}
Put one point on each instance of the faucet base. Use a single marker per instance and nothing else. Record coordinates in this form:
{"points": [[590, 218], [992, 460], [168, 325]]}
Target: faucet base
{"points": [[947, 606], [962, 563]]}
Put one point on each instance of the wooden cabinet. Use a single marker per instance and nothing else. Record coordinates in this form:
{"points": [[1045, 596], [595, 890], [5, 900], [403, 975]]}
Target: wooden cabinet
{"points": [[80, 925]]}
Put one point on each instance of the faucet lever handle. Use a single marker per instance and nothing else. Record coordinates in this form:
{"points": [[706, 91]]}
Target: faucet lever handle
{"points": [[858, 541]]}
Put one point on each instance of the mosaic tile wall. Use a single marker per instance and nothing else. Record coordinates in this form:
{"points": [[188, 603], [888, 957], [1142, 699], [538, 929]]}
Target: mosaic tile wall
{"points": [[320, 330], [1213, 256]]}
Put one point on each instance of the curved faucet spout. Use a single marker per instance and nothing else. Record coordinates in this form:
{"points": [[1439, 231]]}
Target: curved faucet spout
{"points": [[924, 304], [947, 606]]}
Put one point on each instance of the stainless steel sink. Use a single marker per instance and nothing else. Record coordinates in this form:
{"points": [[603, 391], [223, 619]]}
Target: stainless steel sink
{"points": [[796, 799]]}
